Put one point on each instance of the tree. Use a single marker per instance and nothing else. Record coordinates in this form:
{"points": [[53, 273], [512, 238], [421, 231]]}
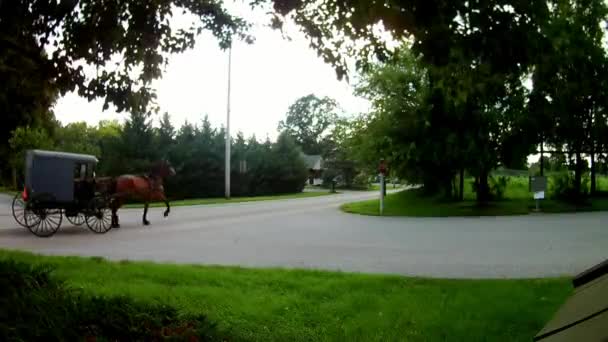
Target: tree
{"points": [[239, 173], [477, 55], [337, 29], [184, 148], [420, 144], [100, 33], [110, 143], [308, 120], [110, 49], [25, 98], [137, 149], [78, 138], [199, 158], [566, 81], [338, 160], [287, 173], [197, 154], [165, 134], [21, 140]]}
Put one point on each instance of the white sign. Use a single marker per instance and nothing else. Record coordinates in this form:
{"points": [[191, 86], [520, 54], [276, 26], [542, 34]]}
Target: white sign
{"points": [[539, 195]]}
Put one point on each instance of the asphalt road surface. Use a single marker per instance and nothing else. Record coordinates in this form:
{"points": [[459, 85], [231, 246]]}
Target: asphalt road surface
{"points": [[313, 233]]}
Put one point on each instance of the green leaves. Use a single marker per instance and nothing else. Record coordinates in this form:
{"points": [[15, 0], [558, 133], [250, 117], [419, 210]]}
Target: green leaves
{"points": [[78, 138], [128, 42], [309, 120], [27, 138], [459, 96]]}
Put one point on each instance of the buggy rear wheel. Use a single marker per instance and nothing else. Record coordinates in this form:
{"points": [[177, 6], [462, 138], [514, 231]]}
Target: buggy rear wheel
{"points": [[99, 215], [78, 220], [20, 209], [43, 222]]}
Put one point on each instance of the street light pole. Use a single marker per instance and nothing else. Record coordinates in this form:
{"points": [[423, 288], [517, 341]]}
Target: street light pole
{"points": [[227, 157]]}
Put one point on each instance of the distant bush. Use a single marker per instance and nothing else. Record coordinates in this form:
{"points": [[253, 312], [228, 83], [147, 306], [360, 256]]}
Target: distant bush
{"points": [[361, 181], [562, 186], [329, 176], [37, 307], [498, 187]]}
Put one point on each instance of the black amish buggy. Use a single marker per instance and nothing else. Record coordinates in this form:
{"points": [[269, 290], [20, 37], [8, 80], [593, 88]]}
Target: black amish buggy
{"points": [[61, 184]]}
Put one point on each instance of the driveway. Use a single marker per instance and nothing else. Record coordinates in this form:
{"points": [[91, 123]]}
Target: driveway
{"points": [[313, 233]]}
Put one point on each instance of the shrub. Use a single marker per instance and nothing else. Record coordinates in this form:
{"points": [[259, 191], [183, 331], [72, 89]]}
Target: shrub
{"points": [[36, 306], [329, 176], [562, 186], [361, 181], [498, 186]]}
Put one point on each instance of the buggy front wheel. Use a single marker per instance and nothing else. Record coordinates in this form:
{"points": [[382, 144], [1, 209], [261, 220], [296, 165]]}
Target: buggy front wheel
{"points": [[77, 220], [99, 215]]}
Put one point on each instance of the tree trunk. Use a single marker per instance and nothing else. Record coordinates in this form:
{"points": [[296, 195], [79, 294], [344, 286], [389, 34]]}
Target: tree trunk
{"points": [[542, 161], [593, 184], [14, 176], [483, 189], [447, 187], [577, 176], [461, 187]]}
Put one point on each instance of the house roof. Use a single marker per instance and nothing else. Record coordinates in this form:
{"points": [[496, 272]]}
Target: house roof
{"points": [[314, 162]]}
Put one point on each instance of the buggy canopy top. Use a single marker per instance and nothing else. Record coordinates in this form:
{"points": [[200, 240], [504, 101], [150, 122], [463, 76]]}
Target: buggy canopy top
{"points": [[52, 174], [83, 158]]}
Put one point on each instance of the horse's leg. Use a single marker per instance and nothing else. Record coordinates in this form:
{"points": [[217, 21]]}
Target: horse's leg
{"points": [[115, 205], [168, 210], [146, 222]]}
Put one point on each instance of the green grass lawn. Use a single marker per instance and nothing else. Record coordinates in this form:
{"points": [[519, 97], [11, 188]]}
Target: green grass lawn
{"points": [[518, 201], [602, 183], [202, 201], [412, 203], [389, 186], [7, 191], [297, 305]]}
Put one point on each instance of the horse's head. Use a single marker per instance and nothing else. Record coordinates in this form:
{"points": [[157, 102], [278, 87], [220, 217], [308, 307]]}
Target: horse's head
{"points": [[163, 169]]}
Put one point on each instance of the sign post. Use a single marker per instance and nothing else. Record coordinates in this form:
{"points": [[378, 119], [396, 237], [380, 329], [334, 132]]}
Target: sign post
{"points": [[381, 194], [227, 153], [382, 171], [538, 186]]}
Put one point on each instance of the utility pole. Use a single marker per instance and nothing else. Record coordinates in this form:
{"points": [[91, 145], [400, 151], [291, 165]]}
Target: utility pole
{"points": [[227, 167]]}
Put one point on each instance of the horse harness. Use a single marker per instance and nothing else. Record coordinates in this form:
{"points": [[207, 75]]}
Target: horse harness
{"points": [[155, 182]]}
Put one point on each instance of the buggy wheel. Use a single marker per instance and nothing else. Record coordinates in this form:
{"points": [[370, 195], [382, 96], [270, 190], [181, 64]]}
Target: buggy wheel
{"points": [[99, 215], [20, 209], [77, 220], [43, 222]]}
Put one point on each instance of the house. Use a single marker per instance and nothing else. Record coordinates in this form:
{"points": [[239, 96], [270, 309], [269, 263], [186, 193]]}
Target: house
{"points": [[314, 164]]}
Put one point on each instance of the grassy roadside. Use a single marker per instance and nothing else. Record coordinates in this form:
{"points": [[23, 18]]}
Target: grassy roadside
{"points": [[7, 191], [389, 186], [517, 201], [411, 203], [202, 201], [296, 305]]}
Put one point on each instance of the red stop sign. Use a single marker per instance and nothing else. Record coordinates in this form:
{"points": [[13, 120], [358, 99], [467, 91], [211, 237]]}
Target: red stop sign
{"points": [[383, 168]]}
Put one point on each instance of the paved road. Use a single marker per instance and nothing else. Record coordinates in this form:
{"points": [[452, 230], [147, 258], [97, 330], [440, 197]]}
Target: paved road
{"points": [[313, 233]]}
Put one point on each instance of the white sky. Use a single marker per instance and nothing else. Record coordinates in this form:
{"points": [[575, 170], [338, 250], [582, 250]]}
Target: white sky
{"points": [[267, 77]]}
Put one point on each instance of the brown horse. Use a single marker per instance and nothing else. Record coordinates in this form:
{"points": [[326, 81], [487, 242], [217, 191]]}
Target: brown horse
{"points": [[145, 188]]}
